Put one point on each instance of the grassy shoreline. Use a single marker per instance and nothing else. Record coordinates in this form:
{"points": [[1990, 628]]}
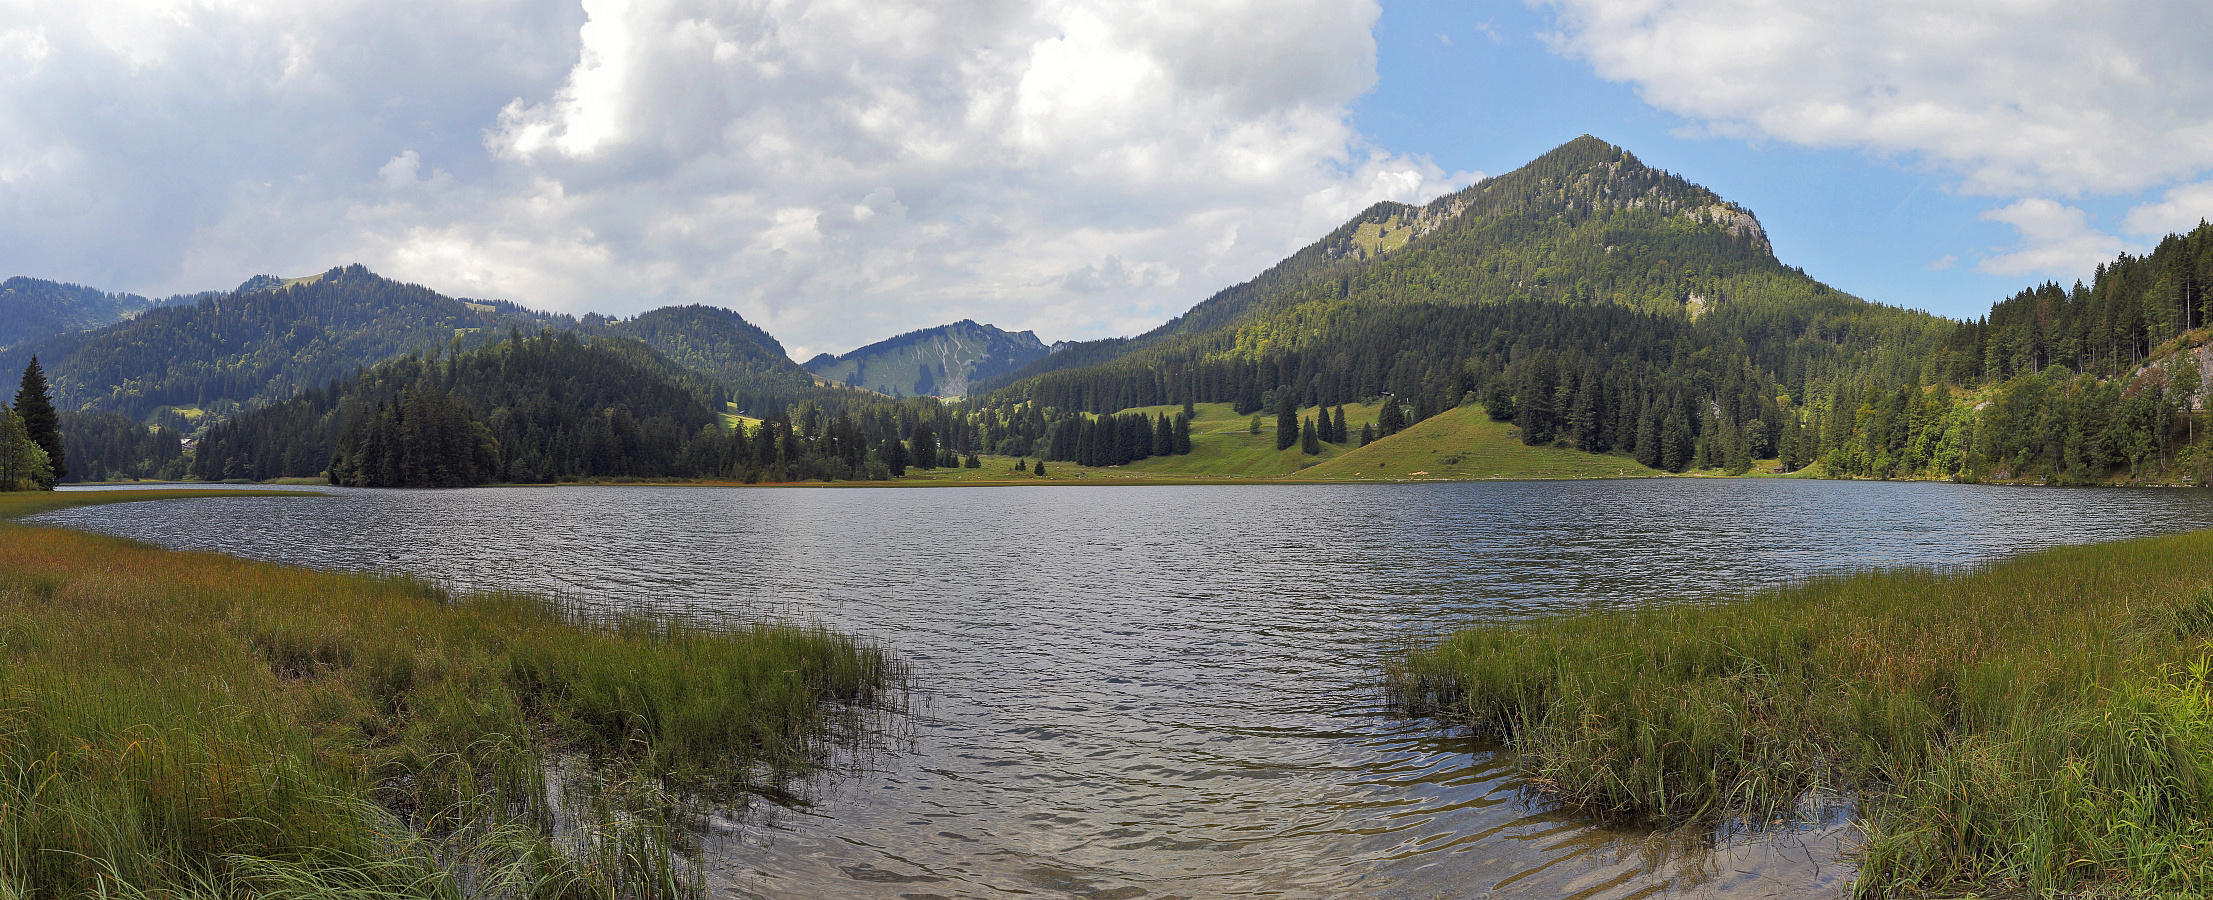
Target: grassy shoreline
{"points": [[2037, 726], [191, 724]]}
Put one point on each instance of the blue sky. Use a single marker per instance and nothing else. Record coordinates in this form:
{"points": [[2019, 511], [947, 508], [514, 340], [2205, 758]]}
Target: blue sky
{"points": [[840, 171], [1476, 87]]}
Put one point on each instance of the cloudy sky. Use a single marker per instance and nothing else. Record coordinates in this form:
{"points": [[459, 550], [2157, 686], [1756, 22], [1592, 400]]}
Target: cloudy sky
{"points": [[843, 170]]}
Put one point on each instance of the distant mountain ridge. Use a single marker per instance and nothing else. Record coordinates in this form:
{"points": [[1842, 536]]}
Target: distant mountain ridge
{"points": [[33, 309], [940, 362], [216, 354]]}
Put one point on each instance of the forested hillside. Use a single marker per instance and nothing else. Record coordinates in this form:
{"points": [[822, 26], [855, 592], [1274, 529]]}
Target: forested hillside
{"points": [[936, 362], [718, 343], [258, 345], [2076, 384]]}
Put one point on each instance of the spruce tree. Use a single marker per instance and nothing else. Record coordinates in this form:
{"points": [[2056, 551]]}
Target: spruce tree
{"points": [[1367, 434], [1040, 470], [1390, 419], [1287, 421], [924, 446], [1310, 440], [40, 423], [1183, 435], [1337, 432]]}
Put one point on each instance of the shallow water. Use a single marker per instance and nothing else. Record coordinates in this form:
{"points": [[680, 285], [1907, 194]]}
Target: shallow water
{"points": [[1173, 691]]}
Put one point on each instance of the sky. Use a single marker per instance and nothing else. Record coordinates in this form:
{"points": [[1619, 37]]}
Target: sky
{"points": [[839, 171]]}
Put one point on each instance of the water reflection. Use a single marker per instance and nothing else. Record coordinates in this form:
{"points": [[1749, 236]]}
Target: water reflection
{"points": [[1173, 691]]}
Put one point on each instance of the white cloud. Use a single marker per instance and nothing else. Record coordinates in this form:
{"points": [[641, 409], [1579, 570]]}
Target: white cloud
{"points": [[837, 170], [2057, 240], [2180, 210], [2018, 97]]}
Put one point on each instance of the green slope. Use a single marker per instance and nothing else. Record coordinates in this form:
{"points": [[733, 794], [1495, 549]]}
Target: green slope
{"points": [[1463, 443]]}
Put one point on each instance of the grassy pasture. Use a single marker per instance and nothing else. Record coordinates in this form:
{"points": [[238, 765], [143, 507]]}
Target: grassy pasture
{"points": [[2039, 726], [188, 724]]}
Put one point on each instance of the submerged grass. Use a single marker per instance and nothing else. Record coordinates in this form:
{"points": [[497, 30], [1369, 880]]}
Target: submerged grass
{"points": [[2038, 726], [192, 725]]}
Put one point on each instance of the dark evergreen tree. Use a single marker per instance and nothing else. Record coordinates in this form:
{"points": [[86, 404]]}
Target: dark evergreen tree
{"points": [[1310, 440], [36, 408], [923, 446], [1287, 420], [1040, 470], [1390, 419], [1337, 432], [1367, 434]]}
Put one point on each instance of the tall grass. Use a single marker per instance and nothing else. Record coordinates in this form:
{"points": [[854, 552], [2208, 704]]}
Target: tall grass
{"points": [[2042, 724], [186, 724]]}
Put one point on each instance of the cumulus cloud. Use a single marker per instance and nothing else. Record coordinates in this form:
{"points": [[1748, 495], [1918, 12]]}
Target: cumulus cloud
{"points": [[2018, 98], [2055, 239], [2181, 209], [838, 170]]}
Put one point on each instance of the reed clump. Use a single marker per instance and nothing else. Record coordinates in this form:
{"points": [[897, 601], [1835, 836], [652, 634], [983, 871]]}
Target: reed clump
{"points": [[186, 724], [2037, 726]]}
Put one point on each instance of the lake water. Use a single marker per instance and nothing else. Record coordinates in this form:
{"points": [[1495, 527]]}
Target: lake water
{"points": [[1173, 691]]}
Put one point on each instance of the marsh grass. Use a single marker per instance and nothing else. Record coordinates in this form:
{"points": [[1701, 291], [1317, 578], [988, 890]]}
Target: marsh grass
{"points": [[192, 725], [2037, 726]]}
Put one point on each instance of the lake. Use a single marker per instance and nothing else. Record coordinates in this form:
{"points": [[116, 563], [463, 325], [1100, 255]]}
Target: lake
{"points": [[1175, 691]]}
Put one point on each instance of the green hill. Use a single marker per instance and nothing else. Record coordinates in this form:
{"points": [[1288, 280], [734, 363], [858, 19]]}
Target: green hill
{"points": [[1464, 443]]}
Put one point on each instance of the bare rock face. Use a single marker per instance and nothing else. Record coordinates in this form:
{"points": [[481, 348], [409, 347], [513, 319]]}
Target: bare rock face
{"points": [[1737, 219]]}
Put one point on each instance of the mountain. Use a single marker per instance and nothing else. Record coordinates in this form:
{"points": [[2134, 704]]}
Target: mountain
{"points": [[1588, 298], [939, 362], [721, 344], [213, 355], [260, 344], [32, 310]]}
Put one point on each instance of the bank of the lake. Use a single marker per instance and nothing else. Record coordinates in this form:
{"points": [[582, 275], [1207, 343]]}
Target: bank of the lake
{"points": [[192, 724], [2032, 725]]}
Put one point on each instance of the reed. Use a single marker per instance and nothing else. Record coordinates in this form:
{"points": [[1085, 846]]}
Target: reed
{"points": [[188, 724], [2036, 725]]}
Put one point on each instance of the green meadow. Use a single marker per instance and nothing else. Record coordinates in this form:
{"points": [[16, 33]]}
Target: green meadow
{"points": [[2040, 726], [192, 725]]}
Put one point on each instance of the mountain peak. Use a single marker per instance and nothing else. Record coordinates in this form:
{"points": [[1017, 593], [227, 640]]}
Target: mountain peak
{"points": [[942, 361]]}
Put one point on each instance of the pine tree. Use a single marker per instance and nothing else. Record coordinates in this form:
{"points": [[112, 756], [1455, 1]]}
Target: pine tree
{"points": [[1183, 435], [1367, 434], [40, 423], [1190, 411], [1287, 421], [1040, 470], [1337, 432], [1310, 440]]}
